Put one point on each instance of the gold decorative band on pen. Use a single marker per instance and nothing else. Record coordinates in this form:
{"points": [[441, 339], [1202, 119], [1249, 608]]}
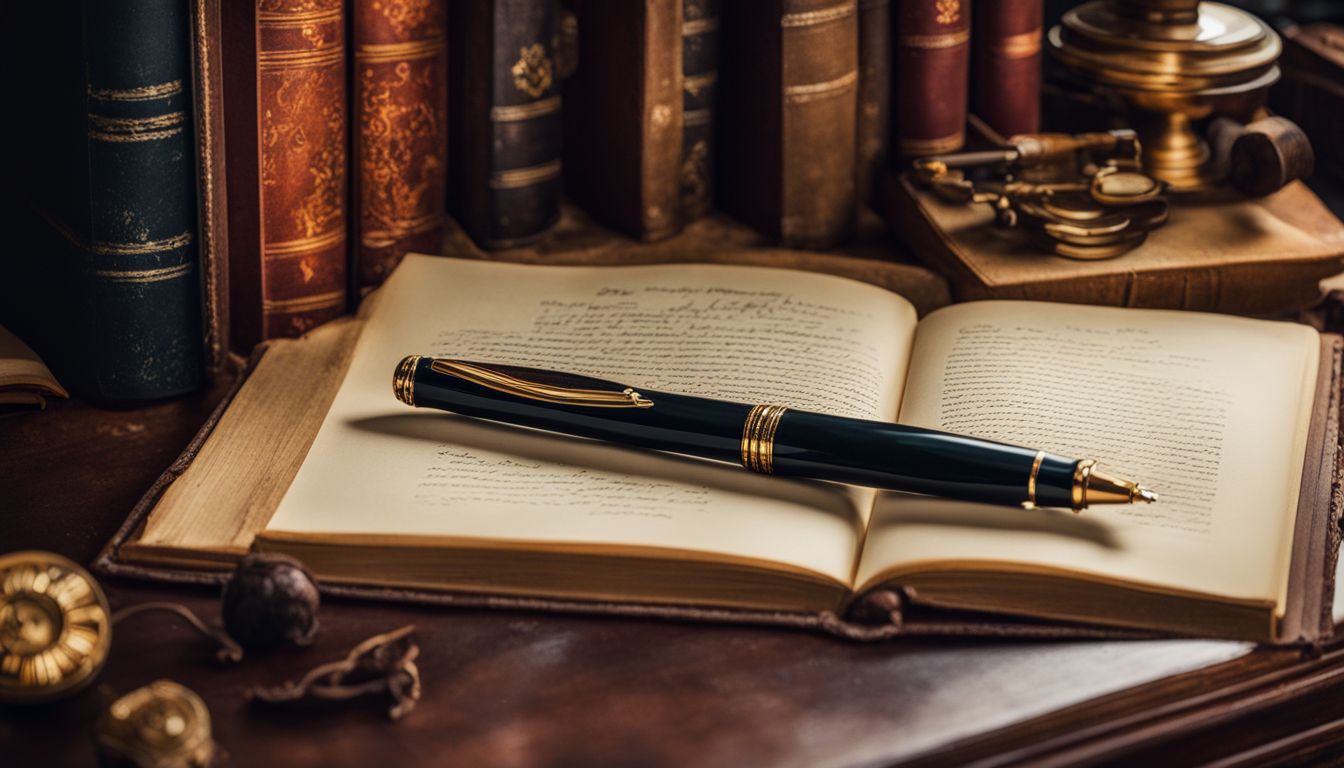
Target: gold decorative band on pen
{"points": [[1082, 475], [758, 438], [1031, 479], [403, 381]]}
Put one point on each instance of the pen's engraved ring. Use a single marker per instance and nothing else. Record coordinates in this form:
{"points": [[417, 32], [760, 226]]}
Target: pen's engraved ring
{"points": [[1031, 479], [403, 381], [758, 437], [1082, 475]]}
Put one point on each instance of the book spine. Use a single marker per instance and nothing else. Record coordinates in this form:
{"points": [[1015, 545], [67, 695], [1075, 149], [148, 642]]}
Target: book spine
{"points": [[789, 106], [874, 137], [932, 61], [700, 74], [505, 111], [140, 320], [213, 243], [401, 137], [1007, 64], [820, 107], [623, 115], [301, 127]]}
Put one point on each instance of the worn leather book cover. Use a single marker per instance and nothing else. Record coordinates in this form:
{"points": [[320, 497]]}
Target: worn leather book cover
{"points": [[400, 132], [874, 137], [700, 78], [623, 115], [285, 117], [789, 105], [1006, 64], [1311, 92], [106, 286], [931, 74], [504, 119], [1219, 252]]}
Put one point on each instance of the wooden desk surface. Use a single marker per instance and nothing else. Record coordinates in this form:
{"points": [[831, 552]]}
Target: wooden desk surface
{"points": [[520, 689]]}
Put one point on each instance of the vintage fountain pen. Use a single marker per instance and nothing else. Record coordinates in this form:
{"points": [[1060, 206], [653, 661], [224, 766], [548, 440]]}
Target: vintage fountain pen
{"points": [[770, 439]]}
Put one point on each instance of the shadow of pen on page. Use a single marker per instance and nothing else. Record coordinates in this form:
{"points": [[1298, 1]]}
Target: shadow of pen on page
{"points": [[525, 444], [900, 509]]}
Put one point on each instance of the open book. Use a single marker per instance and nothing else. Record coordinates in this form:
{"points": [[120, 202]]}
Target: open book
{"points": [[1214, 413]]}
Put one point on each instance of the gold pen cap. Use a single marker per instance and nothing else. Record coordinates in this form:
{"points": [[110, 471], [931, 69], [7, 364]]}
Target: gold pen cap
{"points": [[1091, 486]]}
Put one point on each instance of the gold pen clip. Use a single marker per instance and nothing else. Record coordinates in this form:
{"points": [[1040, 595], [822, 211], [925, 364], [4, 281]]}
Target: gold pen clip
{"points": [[532, 390]]}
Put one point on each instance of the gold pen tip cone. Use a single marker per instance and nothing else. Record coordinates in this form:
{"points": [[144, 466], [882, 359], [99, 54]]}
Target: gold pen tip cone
{"points": [[1145, 495]]}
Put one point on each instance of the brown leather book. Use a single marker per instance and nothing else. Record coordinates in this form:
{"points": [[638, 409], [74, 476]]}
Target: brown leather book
{"points": [[504, 119], [623, 115], [700, 76], [1311, 92], [874, 139], [401, 133], [932, 67], [788, 102], [1006, 74], [1219, 252], [285, 118]]}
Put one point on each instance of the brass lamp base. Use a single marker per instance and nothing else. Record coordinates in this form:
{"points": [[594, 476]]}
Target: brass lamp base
{"points": [[1172, 62]]}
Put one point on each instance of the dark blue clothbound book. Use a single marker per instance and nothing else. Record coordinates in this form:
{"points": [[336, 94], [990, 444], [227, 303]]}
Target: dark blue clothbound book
{"points": [[111, 294]]}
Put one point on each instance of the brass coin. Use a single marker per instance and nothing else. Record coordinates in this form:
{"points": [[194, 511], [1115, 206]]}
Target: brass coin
{"points": [[1150, 215], [55, 627], [1112, 186], [1098, 252], [1073, 207]]}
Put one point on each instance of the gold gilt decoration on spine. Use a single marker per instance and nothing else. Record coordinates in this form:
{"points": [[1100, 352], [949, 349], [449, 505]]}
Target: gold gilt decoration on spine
{"points": [[1018, 46], [803, 92], [692, 27], [928, 42], [525, 177], [142, 93], [696, 84], [145, 275], [516, 112], [119, 249], [306, 303], [533, 72], [948, 143], [697, 117], [133, 129], [305, 244], [820, 16], [389, 53], [949, 11]]}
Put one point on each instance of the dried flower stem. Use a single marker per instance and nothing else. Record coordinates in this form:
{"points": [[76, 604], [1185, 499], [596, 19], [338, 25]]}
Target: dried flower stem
{"points": [[228, 651]]}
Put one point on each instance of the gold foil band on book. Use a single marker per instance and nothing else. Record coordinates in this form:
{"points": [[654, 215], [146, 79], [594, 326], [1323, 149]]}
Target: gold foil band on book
{"points": [[140, 93], [299, 59], [385, 236], [305, 303], [1031, 479], [513, 113], [950, 40], [299, 18], [819, 16], [144, 275], [525, 177], [403, 380], [692, 27], [132, 129], [304, 245], [695, 84], [949, 143], [795, 94], [758, 438], [386, 53], [694, 117], [1018, 46], [142, 249]]}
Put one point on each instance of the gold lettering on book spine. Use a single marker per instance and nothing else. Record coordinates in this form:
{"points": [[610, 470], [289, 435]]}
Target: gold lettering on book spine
{"points": [[533, 72]]}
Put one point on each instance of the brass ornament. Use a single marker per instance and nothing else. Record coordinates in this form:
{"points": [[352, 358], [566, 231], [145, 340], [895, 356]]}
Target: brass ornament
{"points": [[532, 73], [1172, 62], [163, 724], [55, 627]]}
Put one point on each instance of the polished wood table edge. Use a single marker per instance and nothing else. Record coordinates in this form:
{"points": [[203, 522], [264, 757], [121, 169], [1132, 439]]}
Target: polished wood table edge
{"points": [[1116, 727]]}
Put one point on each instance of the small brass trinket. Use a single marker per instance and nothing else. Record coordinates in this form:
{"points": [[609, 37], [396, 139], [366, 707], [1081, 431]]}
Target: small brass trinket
{"points": [[55, 627], [162, 725]]}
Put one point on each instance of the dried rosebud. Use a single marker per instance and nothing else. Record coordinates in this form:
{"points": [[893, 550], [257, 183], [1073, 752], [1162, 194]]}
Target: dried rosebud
{"points": [[270, 600]]}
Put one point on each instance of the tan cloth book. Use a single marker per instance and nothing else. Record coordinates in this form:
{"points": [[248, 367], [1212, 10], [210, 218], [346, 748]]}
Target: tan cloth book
{"points": [[24, 378], [1216, 413]]}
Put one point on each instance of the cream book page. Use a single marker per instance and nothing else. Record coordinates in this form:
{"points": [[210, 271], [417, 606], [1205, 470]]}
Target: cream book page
{"points": [[379, 467], [1209, 411]]}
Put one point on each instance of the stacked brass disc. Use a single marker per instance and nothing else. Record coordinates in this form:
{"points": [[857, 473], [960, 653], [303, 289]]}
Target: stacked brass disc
{"points": [[1172, 61]]}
